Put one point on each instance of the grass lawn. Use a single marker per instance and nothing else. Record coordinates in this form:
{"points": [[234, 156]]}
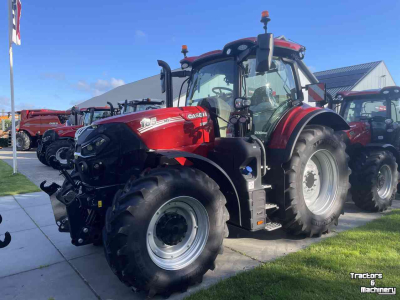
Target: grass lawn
{"points": [[14, 184], [322, 271]]}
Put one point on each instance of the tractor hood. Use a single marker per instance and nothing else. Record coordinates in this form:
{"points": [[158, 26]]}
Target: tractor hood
{"points": [[168, 128], [66, 131]]}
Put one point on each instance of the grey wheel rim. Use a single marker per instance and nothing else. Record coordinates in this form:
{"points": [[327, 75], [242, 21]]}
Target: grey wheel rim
{"points": [[320, 182], [384, 182], [61, 155], [181, 210]]}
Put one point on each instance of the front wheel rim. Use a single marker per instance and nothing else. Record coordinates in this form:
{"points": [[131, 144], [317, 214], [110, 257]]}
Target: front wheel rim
{"points": [[61, 155], [320, 182], [384, 181], [19, 142], [186, 220]]}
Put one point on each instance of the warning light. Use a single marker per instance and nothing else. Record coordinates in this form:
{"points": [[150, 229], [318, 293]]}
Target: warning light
{"points": [[265, 14], [260, 222], [100, 204], [184, 50]]}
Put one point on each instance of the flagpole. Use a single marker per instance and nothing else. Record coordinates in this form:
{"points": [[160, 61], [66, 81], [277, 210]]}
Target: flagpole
{"points": [[13, 137]]}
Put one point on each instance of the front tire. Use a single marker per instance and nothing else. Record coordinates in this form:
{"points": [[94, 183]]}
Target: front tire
{"points": [[41, 158], [23, 141], [374, 180], [316, 182], [59, 149], [150, 238]]}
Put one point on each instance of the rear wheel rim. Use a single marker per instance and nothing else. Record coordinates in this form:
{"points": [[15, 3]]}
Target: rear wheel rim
{"points": [[384, 181], [187, 219], [320, 182], [61, 155]]}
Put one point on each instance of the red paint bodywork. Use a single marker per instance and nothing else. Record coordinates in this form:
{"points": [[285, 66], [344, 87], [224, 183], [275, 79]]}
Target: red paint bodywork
{"points": [[38, 121], [285, 127], [359, 133], [177, 129], [67, 131]]}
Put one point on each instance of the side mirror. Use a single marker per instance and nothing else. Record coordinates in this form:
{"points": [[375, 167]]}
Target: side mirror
{"points": [[264, 52], [316, 92], [162, 80]]}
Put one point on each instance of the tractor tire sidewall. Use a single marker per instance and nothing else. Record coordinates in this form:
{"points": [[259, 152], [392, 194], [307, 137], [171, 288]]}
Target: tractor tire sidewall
{"points": [[180, 182], [322, 139], [54, 147], [364, 180], [25, 140], [42, 158]]}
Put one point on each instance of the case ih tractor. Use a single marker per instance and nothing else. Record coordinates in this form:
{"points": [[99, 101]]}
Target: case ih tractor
{"points": [[159, 186], [373, 143], [139, 105], [33, 123], [56, 142]]}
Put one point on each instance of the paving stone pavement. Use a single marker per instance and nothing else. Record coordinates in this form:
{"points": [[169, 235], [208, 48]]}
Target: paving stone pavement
{"points": [[41, 263]]}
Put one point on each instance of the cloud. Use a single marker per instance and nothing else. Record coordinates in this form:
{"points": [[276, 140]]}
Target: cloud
{"points": [[55, 76], [312, 69], [5, 103], [140, 33], [99, 87]]}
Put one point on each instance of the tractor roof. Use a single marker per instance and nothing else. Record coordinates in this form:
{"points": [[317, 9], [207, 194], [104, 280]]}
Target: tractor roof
{"points": [[96, 108], [371, 92], [282, 47]]}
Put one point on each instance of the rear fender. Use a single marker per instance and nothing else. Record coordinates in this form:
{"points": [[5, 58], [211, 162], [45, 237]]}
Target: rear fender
{"points": [[290, 127], [217, 174], [388, 147]]}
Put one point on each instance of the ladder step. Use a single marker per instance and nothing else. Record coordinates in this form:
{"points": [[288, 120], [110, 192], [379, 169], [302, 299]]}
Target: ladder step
{"points": [[270, 226], [271, 205]]}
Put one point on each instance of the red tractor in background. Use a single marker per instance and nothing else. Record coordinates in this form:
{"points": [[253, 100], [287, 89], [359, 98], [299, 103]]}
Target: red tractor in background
{"points": [[57, 142], [373, 143], [33, 123], [159, 186]]}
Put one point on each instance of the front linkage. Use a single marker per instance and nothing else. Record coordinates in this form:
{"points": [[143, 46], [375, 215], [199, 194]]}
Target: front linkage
{"points": [[77, 209]]}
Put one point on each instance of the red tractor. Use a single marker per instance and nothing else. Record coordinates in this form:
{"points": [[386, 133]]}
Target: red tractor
{"points": [[33, 123], [159, 186], [373, 143], [57, 142], [140, 104]]}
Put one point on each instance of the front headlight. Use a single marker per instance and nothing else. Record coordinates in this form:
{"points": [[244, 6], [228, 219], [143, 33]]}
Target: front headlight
{"points": [[94, 147], [46, 138]]}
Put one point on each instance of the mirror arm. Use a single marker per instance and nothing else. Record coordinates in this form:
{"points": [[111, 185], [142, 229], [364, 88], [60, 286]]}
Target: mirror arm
{"points": [[181, 74]]}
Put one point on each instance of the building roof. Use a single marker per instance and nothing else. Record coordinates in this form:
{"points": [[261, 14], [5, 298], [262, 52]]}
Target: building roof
{"points": [[346, 78], [149, 87]]}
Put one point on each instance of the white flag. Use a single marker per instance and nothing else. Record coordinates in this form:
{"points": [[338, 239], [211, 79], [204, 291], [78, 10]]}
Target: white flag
{"points": [[14, 10]]}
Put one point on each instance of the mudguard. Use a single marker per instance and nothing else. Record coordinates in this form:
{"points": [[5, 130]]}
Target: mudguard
{"points": [[217, 174], [291, 125]]}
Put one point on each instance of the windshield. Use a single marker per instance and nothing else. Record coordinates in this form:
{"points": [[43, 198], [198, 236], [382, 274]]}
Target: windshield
{"points": [[132, 108], [361, 109], [97, 115]]}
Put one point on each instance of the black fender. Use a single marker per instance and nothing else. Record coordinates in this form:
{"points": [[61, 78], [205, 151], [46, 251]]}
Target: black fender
{"points": [[325, 117], [217, 174]]}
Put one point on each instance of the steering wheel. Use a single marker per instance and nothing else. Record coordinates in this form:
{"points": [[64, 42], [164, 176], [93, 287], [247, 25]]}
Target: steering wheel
{"points": [[220, 88]]}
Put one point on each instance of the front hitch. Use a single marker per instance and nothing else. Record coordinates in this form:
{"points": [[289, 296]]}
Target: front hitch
{"points": [[7, 239], [59, 208]]}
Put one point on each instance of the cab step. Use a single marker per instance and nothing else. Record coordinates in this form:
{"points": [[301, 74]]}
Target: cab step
{"points": [[271, 205], [270, 226]]}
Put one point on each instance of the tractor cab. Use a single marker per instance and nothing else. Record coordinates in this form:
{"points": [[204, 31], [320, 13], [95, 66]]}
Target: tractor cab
{"points": [[374, 112], [140, 105], [93, 114]]}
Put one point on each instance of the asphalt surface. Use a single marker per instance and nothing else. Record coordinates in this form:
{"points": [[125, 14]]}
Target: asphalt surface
{"points": [[41, 263]]}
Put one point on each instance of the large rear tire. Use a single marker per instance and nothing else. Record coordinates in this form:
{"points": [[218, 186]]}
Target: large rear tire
{"points": [[374, 180], [316, 182], [165, 230], [59, 150], [23, 141]]}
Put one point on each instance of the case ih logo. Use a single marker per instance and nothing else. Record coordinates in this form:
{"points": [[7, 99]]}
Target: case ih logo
{"points": [[150, 123], [198, 115]]}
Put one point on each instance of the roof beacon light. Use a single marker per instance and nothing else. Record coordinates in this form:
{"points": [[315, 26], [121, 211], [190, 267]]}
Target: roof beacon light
{"points": [[184, 50], [265, 19]]}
